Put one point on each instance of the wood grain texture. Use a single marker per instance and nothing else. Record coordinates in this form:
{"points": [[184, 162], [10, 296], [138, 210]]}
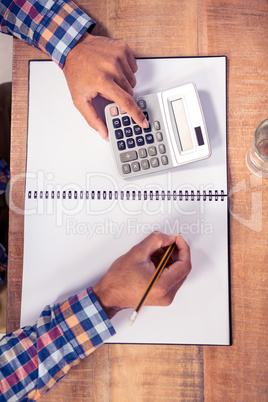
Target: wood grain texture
{"points": [[151, 28], [147, 373], [156, 373]]}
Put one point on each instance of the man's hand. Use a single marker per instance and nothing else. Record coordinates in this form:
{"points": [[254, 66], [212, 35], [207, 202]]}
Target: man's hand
{"points": [[126, 280], [99, 65]]}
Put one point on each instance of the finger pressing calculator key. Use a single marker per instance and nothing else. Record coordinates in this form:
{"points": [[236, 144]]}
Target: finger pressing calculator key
{"points": [[176, 133]]}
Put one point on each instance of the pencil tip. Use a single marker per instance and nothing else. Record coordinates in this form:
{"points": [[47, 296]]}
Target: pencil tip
{"points": [[132, 318]]}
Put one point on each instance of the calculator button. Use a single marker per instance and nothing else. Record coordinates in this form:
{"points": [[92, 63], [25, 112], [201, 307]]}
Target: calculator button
{"points": [[149, 138], [133, 121], [126, 121], [118, 134], [113, 111], [128, 132], [152, 151], [148, 129], [116, 123], [154, 162], [146, 115], [145, 164], [128, 156], [162, 148], [142, 104], [156, 125], [142, 153], [122, 111], [130, 143], [137, 130], [140, 141], [121, 145], [135, 166], [159, 136], [126, 168], [164, 160]]}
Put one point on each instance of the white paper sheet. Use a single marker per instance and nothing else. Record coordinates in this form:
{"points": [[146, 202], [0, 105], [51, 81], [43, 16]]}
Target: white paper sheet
{"points": [[64, 240]]}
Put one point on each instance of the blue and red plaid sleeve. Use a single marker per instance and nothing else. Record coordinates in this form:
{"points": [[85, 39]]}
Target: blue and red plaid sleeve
{"points": [[53, 26], [34, 358]]}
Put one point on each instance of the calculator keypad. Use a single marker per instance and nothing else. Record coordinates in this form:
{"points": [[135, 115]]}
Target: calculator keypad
{"points": [[140, 149]]}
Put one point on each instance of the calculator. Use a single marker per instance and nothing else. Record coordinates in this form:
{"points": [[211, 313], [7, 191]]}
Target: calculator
{"points": [[176, 134]]}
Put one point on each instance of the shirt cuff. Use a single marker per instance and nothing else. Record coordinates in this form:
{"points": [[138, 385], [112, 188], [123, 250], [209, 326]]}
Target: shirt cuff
{"points": [[83, 322], [60, 29]]}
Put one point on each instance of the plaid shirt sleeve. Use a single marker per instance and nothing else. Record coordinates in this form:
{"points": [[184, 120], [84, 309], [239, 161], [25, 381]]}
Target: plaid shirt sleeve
{"points": [[34, 358], [53, 26]]}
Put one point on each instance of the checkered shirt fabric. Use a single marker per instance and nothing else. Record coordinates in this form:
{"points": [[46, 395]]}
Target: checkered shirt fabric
{"points": [[34, 358], [53, 26], [4, 175]]}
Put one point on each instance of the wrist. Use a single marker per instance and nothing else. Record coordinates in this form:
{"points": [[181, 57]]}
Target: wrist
{"points": [[74, 53], [83, 37], [103, 298]]}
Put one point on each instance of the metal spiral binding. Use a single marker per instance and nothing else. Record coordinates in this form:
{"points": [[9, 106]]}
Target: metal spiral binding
{"points": [[128, 195]]}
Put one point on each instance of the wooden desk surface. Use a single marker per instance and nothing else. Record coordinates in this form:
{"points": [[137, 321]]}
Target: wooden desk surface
{"points": [[237, 29]]}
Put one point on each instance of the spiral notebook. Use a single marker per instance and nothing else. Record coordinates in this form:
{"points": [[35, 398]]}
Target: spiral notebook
{"points": [[80, 215]]}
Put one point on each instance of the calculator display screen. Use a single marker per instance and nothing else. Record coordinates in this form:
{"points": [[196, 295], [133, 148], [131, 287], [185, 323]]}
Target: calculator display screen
{"points": [[182, 126]]}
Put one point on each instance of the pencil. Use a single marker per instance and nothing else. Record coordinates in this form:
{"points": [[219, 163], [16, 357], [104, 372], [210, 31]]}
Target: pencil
{"points": [[161, 266]]}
